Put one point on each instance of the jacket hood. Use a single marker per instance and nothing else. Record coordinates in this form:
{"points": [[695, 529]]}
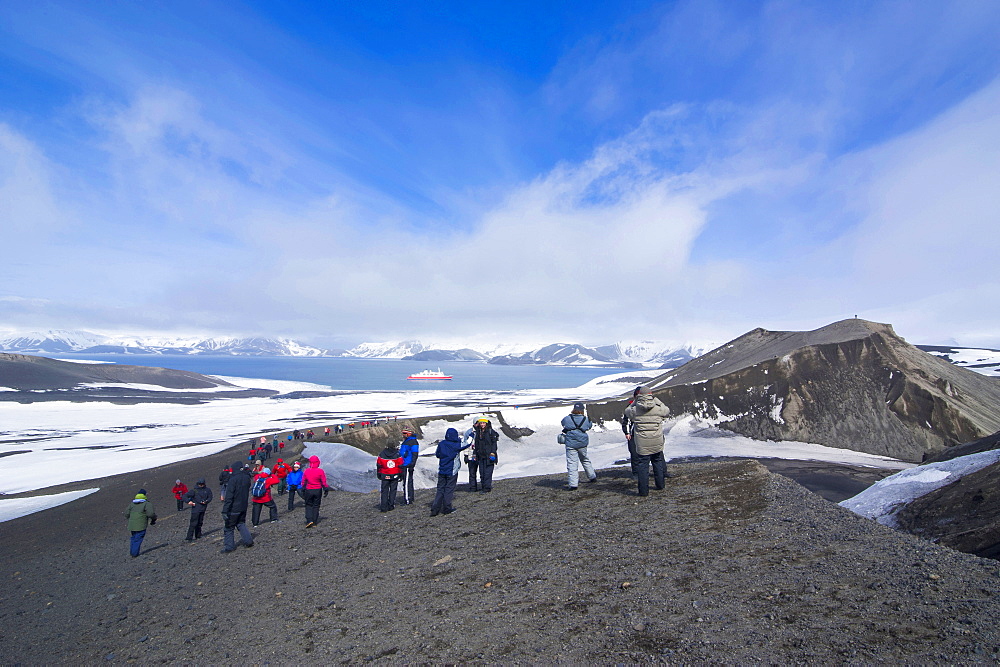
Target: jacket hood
{"points": [[390, 452], [313, 461], [237, 466], [452, 435], [645, 402]]}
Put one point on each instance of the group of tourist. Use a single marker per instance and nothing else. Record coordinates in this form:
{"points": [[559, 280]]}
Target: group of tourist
{"points": [[249, 483]]}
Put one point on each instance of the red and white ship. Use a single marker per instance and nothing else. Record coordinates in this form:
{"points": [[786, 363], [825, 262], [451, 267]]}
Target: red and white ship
{"points": [[429, 375]]}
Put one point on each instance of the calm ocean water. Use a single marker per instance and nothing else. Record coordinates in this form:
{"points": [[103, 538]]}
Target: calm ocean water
{"points": [[369, 374]]}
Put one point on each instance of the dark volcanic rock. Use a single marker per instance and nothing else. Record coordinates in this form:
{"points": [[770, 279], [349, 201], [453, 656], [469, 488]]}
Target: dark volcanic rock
{"points": [[727, 565], [853, 384], [24, 372]]}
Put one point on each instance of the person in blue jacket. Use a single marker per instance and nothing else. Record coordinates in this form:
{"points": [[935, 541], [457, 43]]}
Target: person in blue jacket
{"points": [[574, 429], [294, 482], [447, 452], [409, 449]]}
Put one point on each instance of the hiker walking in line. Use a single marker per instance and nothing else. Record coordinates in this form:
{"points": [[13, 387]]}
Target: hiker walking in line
{"points": [[234, 508], [180, 488], [260, 494], [223, 480], [140, 513], [574, 435], [197, 499], [314, 489], [409, 449], [294, 481], [389, 469], [484, 441], [281, 470], [447, 452], [646, 415]]}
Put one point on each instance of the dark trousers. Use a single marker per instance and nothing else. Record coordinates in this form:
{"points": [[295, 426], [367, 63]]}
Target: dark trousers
{"points": [[291, 497], [313, 498], [473, 470], [136, 544], [236, 521], [272, 508], [388, 500], [445, 494], [486, 474], [197, 519], [180, 504], [632, 455], [407, 483], [642, 462]]}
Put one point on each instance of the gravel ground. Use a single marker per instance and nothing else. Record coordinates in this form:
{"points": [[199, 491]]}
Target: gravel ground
{"points": [[729, 564]]}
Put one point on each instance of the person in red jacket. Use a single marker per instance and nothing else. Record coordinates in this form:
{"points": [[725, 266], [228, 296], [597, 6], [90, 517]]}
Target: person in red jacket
{"points": [[180, 488], [389, 466], [313, 485], [281, 472], [260, 494]]}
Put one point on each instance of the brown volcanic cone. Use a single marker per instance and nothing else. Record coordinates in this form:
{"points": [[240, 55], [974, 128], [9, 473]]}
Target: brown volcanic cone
{"points": [[853, 384]]}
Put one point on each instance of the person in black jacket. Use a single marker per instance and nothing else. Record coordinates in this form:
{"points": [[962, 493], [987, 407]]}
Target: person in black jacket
{"points": [[484, 451], [223, 480], [234, 507], [197, 499]]}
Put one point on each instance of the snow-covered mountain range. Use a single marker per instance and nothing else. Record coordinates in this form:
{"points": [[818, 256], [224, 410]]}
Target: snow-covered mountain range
{"points": [[85, 342], [621, 354], [646, 353]]}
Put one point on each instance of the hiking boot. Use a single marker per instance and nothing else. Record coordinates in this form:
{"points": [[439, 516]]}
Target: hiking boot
{"points": [[473, 489], [451, 511], [569, 488]]}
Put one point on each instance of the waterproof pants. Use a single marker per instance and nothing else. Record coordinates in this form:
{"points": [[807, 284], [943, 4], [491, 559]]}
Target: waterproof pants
{"points": [[136, 543], [388, 499], [291, 497], [272, 508], [197, 519], [407, 483], [313, 498], [632, 456], [236, 521], [445, 494], [659, 471], [473, 471], [486, 474], [574, 459]]}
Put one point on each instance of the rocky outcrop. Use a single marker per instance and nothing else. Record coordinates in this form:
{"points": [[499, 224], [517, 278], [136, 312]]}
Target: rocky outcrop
{"points": [[852, 384]]}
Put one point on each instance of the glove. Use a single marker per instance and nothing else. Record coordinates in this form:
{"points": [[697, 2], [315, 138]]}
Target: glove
{"points": [[152, 520], [326, 492]]}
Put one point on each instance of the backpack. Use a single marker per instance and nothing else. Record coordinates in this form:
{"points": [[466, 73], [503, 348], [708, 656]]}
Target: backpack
{"points": [[259, 488]]}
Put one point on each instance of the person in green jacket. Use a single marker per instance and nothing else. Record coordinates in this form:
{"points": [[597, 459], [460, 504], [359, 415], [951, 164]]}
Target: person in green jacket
{"points": [[140, 513]]}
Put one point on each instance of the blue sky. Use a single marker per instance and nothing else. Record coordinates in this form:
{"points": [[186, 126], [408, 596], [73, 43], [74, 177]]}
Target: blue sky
{"points": [[589, 172]]}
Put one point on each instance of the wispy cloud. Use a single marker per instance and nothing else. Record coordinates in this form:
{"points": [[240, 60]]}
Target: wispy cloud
{"points": [[692, 172]]}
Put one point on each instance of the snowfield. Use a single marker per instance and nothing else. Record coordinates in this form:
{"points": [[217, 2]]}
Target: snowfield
{"points": [[88, 440], [884, 499]]}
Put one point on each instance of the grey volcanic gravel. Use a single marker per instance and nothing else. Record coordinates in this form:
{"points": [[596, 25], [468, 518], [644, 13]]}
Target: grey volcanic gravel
{"points": [[728, 564]]}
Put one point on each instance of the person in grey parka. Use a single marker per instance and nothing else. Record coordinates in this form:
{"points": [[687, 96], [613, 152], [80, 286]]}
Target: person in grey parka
{"points": [[647, 414], [574, 430]]}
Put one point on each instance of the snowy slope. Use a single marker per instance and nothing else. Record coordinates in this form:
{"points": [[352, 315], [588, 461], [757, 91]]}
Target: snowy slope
{"points": [[884, 499]]}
